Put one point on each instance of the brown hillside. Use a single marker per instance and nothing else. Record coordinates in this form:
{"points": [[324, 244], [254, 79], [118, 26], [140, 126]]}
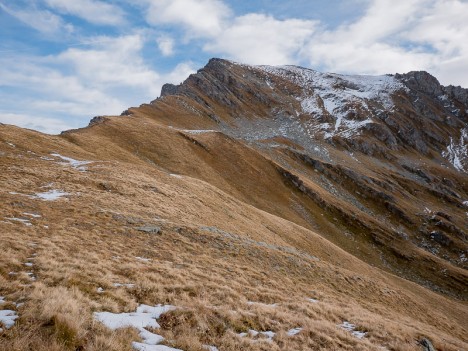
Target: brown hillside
{"points": [[216, 199]]}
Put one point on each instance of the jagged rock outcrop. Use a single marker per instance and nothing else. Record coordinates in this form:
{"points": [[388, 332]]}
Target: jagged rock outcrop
{"points": [[97, 120]]}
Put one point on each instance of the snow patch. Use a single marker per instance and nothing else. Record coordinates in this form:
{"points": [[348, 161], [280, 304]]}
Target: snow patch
{"points": [[262, 304], [294, 331], [352, 329], [7, 318], [79, 165], [144, 259], [33, 215], [198, 131], [128, 285], [26, 222], [145, 316], [51, 195]]}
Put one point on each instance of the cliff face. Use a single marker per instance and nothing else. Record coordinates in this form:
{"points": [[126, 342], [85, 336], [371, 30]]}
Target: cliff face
{"points": [[248, 184], [372, 115]]}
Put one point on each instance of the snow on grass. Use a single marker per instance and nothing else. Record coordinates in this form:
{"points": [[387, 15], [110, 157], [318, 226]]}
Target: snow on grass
{"points": [[145, 347], [21, 220], [145, 316], [100, 290], [79, 165], [2, 300], [51, 195], [261, 304], [253, 334], [128, 285], [175, 175], [28, 264], [144, 259], [33, 215], [7, 318], [313, 300], [352, 329], [198, 131], [210, 348], [294, 331]]}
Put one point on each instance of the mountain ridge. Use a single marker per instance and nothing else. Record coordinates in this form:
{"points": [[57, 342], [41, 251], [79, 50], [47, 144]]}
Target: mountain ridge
{"points": [[285, 179]]}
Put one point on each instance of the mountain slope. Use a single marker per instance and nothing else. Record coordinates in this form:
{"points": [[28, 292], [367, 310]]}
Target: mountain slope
{"points": [[238, 196], [384, 183]]}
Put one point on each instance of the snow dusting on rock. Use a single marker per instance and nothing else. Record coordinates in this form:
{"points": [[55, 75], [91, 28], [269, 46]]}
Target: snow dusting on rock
{"points": [[457, 151], [349, 100]]}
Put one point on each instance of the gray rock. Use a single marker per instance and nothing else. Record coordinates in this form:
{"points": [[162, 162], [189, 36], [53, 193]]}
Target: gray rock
{"points": [[149, 229], [421, 81], [426, 345], [97, 120], [459, 93], [168, 89]]}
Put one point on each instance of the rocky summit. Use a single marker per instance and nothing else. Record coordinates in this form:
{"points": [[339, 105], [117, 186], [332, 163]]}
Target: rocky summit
{"points": [[248, 208]]}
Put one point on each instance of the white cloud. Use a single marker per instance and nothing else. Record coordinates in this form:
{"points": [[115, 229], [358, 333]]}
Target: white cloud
{"points": [[200, 18], [165, 45], [112, 61], [383, 19], [43, 21], [443, 26], [179, 73], [261, 39], [105, 78], [93, 11], [397, 37], [44, 124]]}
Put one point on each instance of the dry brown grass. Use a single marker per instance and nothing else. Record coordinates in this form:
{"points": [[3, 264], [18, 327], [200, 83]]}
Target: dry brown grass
{"points": [[214, 254]]}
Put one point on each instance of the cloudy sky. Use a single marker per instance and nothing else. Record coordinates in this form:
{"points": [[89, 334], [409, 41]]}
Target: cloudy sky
{"points": [[64, 61]]}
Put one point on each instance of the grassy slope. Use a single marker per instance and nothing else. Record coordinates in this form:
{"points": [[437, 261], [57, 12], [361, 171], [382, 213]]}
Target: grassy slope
{"points": [[216, 251]]}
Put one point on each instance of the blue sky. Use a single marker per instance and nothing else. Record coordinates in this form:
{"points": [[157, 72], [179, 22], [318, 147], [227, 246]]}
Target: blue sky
{"points": [[64, 61]]}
